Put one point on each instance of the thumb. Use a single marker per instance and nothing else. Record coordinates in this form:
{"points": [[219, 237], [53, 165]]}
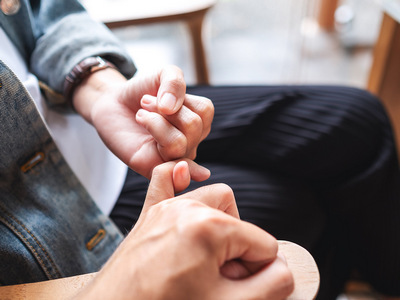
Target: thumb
{"points": [[166, 180], [172, 90], [181, 176]]}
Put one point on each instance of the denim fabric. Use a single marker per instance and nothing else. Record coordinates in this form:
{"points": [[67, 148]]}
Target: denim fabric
{"points": [[51, 36], [20, 29], [49, 225]]}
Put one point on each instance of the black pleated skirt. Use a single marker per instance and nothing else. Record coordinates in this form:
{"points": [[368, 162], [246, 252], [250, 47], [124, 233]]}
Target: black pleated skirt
{"points": [[315, 165]]}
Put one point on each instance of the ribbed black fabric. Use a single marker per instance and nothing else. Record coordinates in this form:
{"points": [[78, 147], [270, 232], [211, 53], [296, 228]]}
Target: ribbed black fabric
{"points": [[312, 164]]}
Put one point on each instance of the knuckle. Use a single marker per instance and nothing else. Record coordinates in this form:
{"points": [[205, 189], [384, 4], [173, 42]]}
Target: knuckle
{"points": [[152, 120], [173, 69], [285, 278], [210, 107], [206, 107], [180, 146], [158, 170], [206, 111], [177, 83], [204, 226], [194, 124], [161, 169], [199, 233], [210, 110], [192, 154], [176, 147], [225, 191]]}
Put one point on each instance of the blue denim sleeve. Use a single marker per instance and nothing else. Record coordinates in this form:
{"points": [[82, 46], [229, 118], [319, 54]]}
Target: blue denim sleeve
{"points": [[65, 36]]}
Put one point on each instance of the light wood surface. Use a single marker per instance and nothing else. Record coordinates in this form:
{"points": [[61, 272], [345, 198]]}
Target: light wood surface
{"points": [[59, 289], [304, 269], [115, 12], [120, 13], [300, 262]]}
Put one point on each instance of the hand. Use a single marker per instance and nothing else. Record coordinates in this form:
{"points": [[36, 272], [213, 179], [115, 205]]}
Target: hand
{"points": [[174, 177], [180, 248], [147, 120]]}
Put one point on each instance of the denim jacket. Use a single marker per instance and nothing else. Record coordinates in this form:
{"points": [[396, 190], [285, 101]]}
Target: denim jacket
{"points": [[54, 36], [49, 225]]}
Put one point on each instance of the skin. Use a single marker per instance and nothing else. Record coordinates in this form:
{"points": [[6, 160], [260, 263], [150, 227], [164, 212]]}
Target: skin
{"points": [[150, 120], [146, 120], [192, 245]]}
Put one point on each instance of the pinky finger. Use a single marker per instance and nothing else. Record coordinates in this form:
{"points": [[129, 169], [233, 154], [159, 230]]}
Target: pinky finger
{"points": [[149, 103]]}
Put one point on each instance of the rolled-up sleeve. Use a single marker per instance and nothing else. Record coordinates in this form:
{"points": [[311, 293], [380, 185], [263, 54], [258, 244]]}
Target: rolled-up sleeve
{"points": [[66, 38]]}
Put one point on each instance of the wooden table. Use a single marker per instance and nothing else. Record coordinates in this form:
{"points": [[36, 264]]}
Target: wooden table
{"points": [[119, 13], [300, 262]]}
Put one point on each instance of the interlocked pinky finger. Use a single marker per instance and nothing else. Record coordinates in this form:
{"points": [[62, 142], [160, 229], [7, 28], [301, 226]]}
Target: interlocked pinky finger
{"points": [[172, 143]]}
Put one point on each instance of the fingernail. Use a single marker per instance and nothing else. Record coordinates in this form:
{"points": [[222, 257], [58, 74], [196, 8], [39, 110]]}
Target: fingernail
{"points": [[203, 173], [168, 100], [147, 100], [206, 171], [140, 113]]}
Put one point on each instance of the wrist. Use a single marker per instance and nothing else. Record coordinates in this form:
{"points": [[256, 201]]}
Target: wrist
{"points": [[82, 70], [92, 88]]}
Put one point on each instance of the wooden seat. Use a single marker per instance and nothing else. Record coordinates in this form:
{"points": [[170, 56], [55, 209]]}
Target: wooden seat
{"points": [[300, 262], [119, 13]]}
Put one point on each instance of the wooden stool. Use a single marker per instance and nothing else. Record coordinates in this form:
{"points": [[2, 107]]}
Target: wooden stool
{"points": [[300, 262], [119, 13]]}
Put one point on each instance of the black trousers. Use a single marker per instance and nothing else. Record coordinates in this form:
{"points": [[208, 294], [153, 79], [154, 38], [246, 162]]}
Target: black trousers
{"points": [[315, 165]]}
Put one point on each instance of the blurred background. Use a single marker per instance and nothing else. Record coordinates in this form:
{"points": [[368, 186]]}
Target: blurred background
{"points": [[266, 42]]}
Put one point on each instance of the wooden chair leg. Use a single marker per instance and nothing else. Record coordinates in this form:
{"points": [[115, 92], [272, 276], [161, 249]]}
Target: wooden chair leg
{"points": [[385, 71], [195, 26], [326, 17]]}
